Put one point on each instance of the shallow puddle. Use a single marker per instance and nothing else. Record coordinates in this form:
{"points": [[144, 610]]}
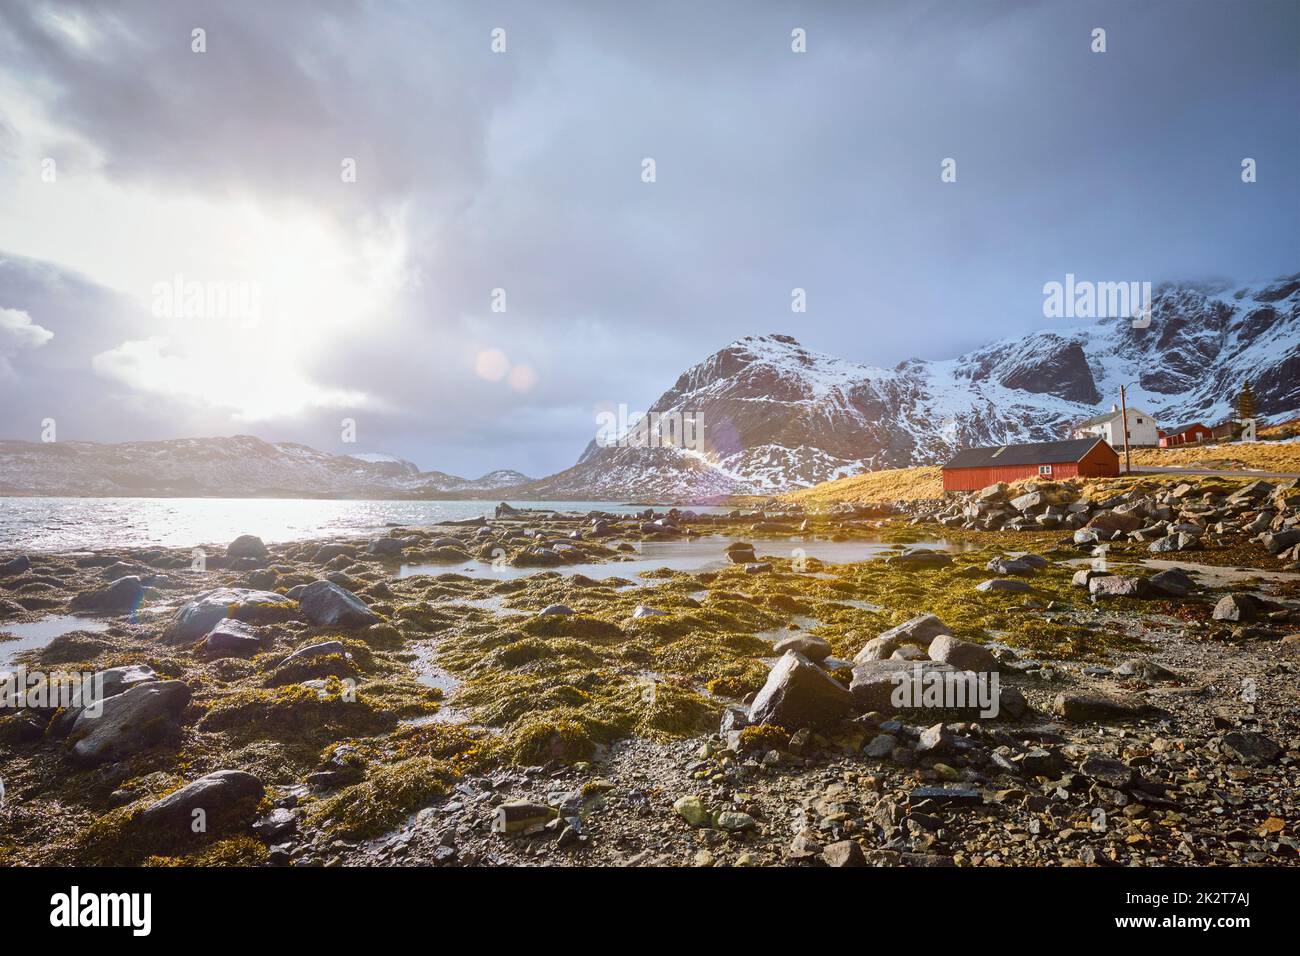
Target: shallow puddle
{"points": [[699, 554], [36, 634]]}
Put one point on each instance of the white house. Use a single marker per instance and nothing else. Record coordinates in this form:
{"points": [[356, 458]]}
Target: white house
{"points": [[1142, 428]]}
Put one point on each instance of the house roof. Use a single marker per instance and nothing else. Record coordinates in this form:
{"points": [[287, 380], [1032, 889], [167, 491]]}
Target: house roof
{"points": [[1036, 453], [1188, 427], [1110, 416]]}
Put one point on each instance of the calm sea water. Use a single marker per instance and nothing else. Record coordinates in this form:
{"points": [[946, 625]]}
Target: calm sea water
{"points": [[75, 524]]}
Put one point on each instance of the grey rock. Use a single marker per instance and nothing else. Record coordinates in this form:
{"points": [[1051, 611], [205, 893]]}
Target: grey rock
{"points": [[813, 648], [323, 649], [798, 693], [962, 655], [1003, 584], [247, 546], [1085, 707], [1010, 566], [197, 617], [124, 594], [129, 721], [325, 604], [231, 638], [1117, 585], [1174, 582], [919, 630], [392, 547], [1251, 748], [218, 795]]}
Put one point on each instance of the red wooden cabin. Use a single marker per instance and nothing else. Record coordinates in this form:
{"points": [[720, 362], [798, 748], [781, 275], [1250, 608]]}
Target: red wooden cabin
{"points": [[977, 468], [1192, 434]]}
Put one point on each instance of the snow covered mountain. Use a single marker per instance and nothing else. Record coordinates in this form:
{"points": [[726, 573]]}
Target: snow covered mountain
{"points": [[778, 416], [240, 466]]}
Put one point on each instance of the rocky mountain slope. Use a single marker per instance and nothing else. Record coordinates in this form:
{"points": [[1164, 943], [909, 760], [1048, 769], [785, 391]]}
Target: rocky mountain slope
{"points": [[239, 466], [779, 416]]}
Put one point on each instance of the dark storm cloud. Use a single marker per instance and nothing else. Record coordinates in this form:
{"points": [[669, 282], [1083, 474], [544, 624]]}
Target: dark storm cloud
{"points": [[775, 170]]}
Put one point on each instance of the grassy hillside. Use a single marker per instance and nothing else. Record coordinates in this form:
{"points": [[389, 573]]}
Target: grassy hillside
{"points": [[1271, 456], [895, 484]]}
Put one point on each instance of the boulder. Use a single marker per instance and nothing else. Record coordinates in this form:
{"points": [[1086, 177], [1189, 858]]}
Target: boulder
{"points": [[1174, 582], [1012, 566], [1107, 771], [105, 684], [962, 655], [994, 493], [520, 816], [1240, 607], [644, 611], [129, 722], [1251, 748], [875, 682], [920, 560], [247, 546], [197, 617], [843, 854], [1279, 541], [919, 630], [325, 604], [328, 552], [1003, 584], [124, 594], [1175, 542], [17, 565], [741, 552], [1145, 670], [1118, 585], [228, 798], [1087, 707], [231, 638], [393, 547], [323, 649], [1083, 576], [556, 610], [1115, 521], [798, 693], [813, 648]]}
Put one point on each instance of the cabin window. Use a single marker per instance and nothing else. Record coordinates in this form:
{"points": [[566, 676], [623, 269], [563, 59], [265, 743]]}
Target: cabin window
{"points": [[1044, 469], [1139, 421]]}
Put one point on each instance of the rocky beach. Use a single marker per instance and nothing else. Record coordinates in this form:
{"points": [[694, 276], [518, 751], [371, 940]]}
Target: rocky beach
{"points": [[465, 694]]}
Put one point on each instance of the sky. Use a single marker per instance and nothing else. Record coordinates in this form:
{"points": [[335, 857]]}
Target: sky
{"points": [[394, 217]]}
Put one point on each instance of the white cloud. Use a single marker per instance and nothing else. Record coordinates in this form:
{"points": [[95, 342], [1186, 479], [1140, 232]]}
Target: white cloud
{"points": [[17, 330], [255, 385]]}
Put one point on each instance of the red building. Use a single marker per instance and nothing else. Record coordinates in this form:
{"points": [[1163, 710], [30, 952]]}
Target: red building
{"points": [[1192, 434], [977, 468]]}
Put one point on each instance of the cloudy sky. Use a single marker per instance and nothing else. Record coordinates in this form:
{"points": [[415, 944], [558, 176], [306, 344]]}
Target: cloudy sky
{"points": [[130, 162]]}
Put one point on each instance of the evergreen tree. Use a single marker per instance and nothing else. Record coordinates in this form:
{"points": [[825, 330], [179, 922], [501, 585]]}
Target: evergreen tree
{"points": [[1246, 402]]}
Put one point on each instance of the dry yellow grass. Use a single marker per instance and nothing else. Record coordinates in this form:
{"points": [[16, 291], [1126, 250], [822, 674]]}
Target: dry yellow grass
{"points": [[1270, 456], [895, 484], [913, 484]]}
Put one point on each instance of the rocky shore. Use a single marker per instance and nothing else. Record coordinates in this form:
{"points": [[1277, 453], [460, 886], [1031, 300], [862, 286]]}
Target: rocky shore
{"points": [[308, 704]]}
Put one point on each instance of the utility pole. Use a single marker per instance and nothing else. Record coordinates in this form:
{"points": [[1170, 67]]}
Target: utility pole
{"points": [[1123, 405]]}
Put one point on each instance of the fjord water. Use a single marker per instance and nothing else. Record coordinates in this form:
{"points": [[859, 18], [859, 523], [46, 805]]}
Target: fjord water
{"points": [[83, 524]]}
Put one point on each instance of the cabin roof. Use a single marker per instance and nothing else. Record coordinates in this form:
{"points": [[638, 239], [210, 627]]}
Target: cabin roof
{"points": [[1034, 453]]}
